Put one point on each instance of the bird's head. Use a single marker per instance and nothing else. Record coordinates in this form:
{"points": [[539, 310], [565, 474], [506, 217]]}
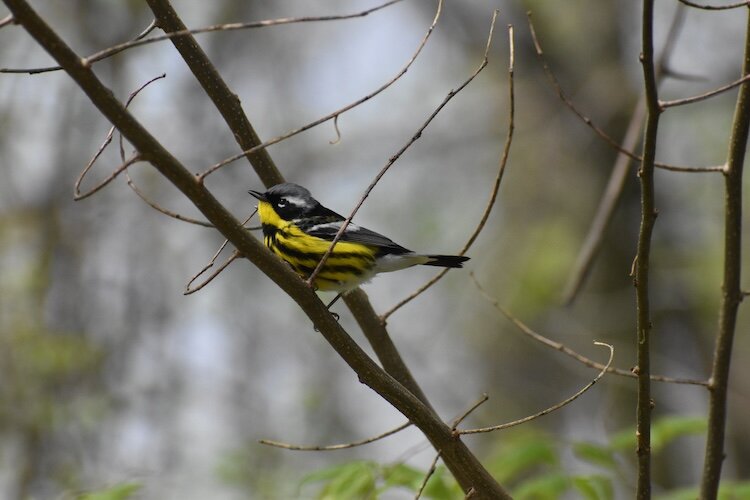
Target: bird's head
{"points": [[289, 201]]}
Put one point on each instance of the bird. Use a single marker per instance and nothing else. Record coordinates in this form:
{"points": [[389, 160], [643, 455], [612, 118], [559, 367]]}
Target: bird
{"points": [[299, 230]]}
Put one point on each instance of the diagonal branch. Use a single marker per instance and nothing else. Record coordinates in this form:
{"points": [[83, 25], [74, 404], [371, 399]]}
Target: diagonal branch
{"points": [[617, 178], [589, 122], [226, 101], [468, 471], [558, 346], [495, 187], [705, 95], [331, 116], [334, 447], [553, 408], [401, 151], [140, 40], [217, 90]]}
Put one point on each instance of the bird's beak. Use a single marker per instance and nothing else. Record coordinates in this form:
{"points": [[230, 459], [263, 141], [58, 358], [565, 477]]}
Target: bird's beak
{"points": [[260, 196]]}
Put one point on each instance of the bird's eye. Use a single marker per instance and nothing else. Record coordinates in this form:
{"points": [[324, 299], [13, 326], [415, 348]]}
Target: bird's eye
{"points": [[281, 203]]}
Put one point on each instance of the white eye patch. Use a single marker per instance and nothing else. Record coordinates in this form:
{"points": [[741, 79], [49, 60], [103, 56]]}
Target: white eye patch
{"points": [[295, 200]]}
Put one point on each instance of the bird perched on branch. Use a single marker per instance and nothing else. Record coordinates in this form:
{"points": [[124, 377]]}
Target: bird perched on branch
{"points": [[297, 228]]}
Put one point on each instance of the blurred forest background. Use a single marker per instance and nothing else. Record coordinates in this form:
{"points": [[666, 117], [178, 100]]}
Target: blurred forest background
{"points": [[110, 375]]}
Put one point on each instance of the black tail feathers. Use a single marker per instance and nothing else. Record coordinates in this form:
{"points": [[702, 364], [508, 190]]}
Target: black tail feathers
{"points": [[446, 260]]}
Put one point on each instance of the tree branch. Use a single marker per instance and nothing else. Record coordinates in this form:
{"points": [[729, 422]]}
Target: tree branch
{"points": [[732, 293], [616, 183], [552, 408], [334, 115], [217, 90], [643, 255], [495, 187], [139, 40], [468, 471], [401, 151]]}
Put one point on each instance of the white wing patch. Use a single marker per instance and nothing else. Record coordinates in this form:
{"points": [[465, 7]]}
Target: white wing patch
{"points": [[333, 225]]}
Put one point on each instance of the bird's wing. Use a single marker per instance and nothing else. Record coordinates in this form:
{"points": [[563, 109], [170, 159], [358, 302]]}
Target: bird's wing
{"points": [[326, 229]]}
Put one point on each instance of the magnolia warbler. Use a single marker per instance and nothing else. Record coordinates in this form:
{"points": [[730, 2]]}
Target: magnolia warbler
{"points": [[297, 228]]}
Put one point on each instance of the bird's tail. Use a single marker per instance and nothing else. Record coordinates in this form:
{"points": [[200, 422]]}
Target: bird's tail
{"points": [[446, 260]]}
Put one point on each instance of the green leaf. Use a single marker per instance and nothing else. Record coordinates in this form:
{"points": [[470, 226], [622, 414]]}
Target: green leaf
{"points": [[595, 454], [121, 491], [595, 487], [666, 430], [547, 487], [442, 486], [681, 494], [727, 491], [348, 481], [519, 456], [623, 440], [403, 475], [663, 431]]}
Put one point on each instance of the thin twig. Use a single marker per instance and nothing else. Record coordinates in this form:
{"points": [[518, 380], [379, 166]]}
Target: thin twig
{"points": [[526, 330], [398, 154], [715, 7], [139, 40], [551, 408], [618, 177], [163, 210], [601, 133], [495, 187], [333, 447], [235, 255], [457, 421], [704, 96], [7, 20], [336, 113], [338, 132], [188, 291], [430, 472], [125, 164]]}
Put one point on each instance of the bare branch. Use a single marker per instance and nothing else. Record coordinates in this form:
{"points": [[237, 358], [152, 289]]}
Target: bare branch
{"points": [[732, 294], [334, 447], [601, 133], [430, 472], [715, 7], [523, 328], [235, 255], [124, 166], [643, 255], [468, 471], [126, 163], [495, 186], [188, 291], [7, 20], [398, 154], [336, 113], [549, 410], [139, 40], [457, 421], [707, 95], [163, 210], [616, 183]]}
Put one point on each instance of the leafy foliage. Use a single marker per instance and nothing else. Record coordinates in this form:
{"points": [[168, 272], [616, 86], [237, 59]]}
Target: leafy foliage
{"points": [[530, 463]]}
